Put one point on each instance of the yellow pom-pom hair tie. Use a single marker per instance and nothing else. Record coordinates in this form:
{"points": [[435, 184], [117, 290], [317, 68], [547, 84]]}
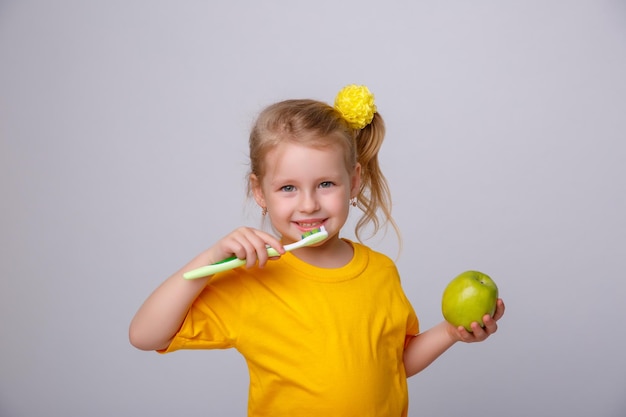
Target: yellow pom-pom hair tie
{"points": [[356, 104]]}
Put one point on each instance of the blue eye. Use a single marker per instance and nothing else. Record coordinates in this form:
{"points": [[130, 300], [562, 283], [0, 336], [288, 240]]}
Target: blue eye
{"points": [[326, 184], [287, 188]]}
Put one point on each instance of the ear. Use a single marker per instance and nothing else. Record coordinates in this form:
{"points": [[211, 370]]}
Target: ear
{"points": [[257, 191], [355, 181]]}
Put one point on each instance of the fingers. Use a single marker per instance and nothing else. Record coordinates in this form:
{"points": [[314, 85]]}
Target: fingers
{"points": [[499, 309], [250, 244], [269, 240], [490, 322], [490, 325], [478, 333], [464, 335]]}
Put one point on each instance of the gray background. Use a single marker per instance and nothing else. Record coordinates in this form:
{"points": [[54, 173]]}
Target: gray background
{"points": [[123, 130]]}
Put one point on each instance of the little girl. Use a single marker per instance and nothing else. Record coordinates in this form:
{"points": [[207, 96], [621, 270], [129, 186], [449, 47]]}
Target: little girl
{"points": [[325, 330]]}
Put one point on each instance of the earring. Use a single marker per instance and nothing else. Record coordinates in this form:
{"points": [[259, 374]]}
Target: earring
{"points": [[353, 201], [263, 211]]}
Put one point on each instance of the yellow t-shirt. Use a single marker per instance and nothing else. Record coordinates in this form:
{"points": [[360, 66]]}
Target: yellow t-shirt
{"points": [[318, 342]]}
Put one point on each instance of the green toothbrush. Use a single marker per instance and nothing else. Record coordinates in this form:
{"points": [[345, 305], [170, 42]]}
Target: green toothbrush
{"points": [[309, 238]]}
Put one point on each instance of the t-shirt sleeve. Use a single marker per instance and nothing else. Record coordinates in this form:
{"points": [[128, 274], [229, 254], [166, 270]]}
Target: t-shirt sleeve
{"points": [[412, 326], [213, 320]]}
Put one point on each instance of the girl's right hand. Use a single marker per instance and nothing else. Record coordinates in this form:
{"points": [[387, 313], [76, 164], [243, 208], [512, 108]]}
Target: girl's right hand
{"points": [[161, 315], [245, 243]]}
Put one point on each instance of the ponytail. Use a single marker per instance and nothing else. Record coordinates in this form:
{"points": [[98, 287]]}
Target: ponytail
{"points": [[374, 194]]}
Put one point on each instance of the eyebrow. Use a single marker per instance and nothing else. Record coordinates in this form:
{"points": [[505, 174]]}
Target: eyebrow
{"points": [[293, 180]]}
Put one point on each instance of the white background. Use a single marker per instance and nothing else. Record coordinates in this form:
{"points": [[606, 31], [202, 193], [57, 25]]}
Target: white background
{"points": [[123, 128]]}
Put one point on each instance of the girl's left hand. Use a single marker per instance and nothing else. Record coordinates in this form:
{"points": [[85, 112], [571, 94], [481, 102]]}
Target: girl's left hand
{"points": [[478, 333]]}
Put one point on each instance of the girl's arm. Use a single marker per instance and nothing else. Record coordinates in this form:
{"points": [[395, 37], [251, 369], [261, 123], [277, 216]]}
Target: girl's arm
{"points": [[423, 349], [161, 315], [156, 322]]}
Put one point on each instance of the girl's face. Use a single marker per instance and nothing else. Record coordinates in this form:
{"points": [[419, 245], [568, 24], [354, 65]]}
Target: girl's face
{"points": [[305, 188]]}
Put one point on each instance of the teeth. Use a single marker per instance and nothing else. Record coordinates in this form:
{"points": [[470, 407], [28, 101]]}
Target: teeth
{"points": [[309, 224]]}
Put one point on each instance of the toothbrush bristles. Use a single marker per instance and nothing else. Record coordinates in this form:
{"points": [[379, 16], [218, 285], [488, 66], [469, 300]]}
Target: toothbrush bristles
{"points": [[311, 232]]}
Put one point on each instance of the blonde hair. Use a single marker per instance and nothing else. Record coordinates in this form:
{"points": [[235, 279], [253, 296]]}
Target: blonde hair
{"points": [[314, 123]]}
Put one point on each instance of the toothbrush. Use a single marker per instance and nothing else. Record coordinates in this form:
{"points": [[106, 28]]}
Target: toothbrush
{"points": [[309, 238]]}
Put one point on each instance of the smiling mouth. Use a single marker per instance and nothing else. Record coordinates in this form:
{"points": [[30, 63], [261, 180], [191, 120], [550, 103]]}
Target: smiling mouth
{"points": [[306, 226]]}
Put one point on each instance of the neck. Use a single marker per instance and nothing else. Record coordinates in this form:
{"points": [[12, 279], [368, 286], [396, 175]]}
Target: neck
{"points": [[333, 253]]}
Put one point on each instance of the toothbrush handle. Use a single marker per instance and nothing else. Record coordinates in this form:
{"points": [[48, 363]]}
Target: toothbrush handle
{"points": [[228, 263], [205, 271]]}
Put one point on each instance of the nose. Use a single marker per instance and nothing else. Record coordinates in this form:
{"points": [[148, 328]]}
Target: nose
{"points": [[309, 202]]}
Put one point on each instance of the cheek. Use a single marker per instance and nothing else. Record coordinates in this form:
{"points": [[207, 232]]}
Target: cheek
{"points": [[339, 204], [280, 205]]}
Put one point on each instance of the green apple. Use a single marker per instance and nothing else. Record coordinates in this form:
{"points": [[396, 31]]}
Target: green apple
{"points": [[468, 297]]}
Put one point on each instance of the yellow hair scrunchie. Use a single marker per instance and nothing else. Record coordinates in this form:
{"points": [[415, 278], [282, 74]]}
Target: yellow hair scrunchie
{"points": [[356, 105]]}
